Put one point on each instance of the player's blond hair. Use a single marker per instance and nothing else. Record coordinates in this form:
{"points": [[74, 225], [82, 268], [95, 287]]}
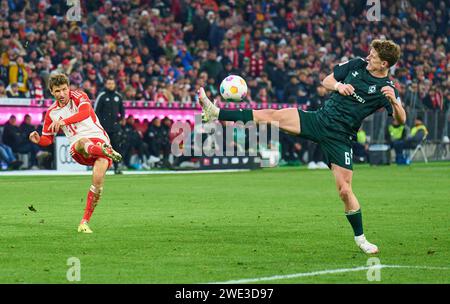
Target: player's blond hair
{"points": [[57, 80], [387, 50]]}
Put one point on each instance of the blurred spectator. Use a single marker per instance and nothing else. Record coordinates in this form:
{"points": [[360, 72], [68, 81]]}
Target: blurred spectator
{"points": [[395, 132], [317, 100], [37, 90], [212, 66], [3, 93], [216, 33], [201, 25], [26, 127], [418, 133], [19, 143], [292, 150], [186, 58], [12, 91], [18, 74], [291, 90], [361, 147], [227, 70], [212, 87], [278, 78], [7, 156], [133, 143], [154, 139], [262, 96]]}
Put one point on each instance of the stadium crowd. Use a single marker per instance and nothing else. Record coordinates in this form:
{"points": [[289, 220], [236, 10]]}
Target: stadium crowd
{"points": [[165, 50]]}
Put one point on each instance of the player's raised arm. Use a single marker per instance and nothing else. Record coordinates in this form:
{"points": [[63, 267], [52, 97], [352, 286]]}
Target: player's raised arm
{"points": [[333, 85], [333, 82], [397, 108], [84, 111]]}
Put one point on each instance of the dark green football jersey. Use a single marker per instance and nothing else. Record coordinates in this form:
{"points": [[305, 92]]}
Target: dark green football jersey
{"points": [[344, 114]]}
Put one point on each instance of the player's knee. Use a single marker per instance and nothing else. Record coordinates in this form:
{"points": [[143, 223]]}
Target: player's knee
{"points": [[79, 146], [345, 191], [82, 141]]}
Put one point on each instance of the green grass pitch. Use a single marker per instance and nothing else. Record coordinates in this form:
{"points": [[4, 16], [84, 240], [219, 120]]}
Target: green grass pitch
{"points": [[201, 228]]}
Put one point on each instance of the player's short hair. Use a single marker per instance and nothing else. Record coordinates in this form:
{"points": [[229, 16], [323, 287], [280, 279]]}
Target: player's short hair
{"points": [[57, 80], [388, 50]]}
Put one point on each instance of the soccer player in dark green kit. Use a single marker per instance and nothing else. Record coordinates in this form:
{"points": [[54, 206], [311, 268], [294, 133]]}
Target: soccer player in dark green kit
{"points": [[360, 87]]}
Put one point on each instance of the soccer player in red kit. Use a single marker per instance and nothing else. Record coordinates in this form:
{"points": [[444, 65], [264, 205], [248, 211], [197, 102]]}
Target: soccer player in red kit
{"points": [[89, 143]]}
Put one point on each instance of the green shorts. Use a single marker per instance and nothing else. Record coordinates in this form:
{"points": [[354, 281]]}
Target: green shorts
{"points": [[336, 149]]}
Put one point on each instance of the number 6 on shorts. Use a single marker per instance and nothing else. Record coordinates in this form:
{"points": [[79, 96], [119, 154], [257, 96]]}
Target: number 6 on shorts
{"points": [[347, 158]]}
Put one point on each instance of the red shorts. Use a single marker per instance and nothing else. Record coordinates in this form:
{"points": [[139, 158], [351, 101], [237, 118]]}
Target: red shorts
{"points": [[88, 161]]}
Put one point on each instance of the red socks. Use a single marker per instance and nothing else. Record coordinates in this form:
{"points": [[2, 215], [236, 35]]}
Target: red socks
{"points": [[91, 202], [93, 149]]}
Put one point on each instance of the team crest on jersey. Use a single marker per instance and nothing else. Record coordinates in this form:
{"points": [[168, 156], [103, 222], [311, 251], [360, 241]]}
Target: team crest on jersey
{"points": [[372, 89]]}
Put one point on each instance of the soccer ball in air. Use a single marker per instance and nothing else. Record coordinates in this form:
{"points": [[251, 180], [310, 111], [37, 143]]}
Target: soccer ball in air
{"points": [[233, 88]]}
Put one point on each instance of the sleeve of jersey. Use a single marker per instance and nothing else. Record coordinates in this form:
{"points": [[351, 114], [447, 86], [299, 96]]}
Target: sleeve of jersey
{"points": [[341, 70], [84, 110], [47, 136], [45, 140]]}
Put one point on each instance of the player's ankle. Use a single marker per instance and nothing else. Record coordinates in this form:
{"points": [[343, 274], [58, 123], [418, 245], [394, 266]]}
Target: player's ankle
{"points": [[360, 238]]}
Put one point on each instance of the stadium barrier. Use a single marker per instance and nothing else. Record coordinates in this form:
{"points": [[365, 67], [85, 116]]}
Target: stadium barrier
{"points": [[63, 159], [437, 122], [140, 109]]}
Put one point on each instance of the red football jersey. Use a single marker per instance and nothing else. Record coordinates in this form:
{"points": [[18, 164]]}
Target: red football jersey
{"points": [[87, 128]]}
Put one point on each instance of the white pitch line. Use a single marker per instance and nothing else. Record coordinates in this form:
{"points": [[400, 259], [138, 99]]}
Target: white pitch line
{"points": [[55, 172], [322, 272]]}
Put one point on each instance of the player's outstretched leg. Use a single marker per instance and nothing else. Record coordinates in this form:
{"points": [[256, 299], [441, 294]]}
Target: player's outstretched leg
{"points": [[287, 119], [93, 197], [87, 147], [343, 178]]}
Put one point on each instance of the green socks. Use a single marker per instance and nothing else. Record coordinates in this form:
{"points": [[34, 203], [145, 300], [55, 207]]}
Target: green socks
{"points": [[355, 219], [236, 115]]}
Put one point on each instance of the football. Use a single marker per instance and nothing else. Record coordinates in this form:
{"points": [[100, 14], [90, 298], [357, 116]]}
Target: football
{"points": [[233, 88]]}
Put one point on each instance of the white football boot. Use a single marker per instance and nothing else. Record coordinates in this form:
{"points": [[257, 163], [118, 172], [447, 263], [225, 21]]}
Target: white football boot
{"points": [[210, 111], [364, 245]]}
